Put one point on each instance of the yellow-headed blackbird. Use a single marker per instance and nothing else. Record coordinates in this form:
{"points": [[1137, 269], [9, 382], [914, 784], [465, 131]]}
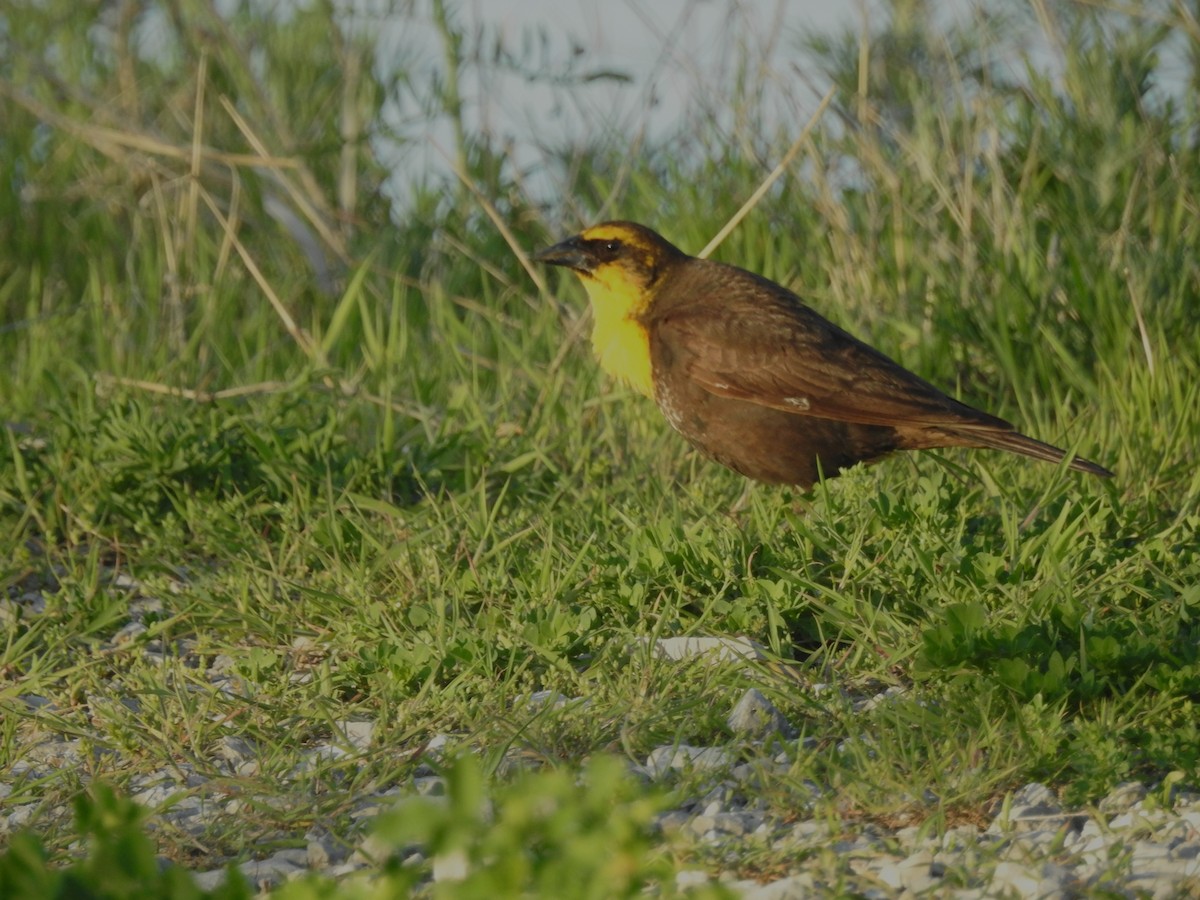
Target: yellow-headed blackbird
{"points": [[750, 375]]}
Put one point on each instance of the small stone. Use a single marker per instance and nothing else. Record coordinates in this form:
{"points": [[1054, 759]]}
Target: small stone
{"points": [[451, 866], [663, 759], [1033, 807], [673, 822], [366, 810], [437, 744], [917, 879], [1094, 848], [810, 832], [688, 878], [1055, 878], [1122, 797], [129, 633], [1159, 884], [1186, 851], [1037, 839], [155, 796], [1149, 819], [794, 887], [317, 755], [358, 734], [1041, 820], [552, 700], [143, 607], [126, 582], [20, 816], [32, 602], [185, 808], [235, 749], [372, 851], [1011, 877], [1148, 852], [658, 763], [874, 702], [1035, 794], [713, 649], [709, 758], [209, 880], [744, 773], [960, 837], [429, 785], [271, 871], [296, 856], [890, 874], [921, 859], [317, 855], [756, 716], [305, 644], [734, 823], [701, 825]]}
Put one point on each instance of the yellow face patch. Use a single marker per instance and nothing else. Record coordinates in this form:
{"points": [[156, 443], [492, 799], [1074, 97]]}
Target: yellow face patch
{"points": [[619, 340], [618, 294]]}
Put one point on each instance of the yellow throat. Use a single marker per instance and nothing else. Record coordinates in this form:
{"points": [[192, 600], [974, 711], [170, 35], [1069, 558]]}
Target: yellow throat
{"points": [[619, 340]]}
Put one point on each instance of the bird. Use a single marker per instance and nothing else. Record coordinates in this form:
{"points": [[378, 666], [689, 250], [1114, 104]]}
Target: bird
{"points": [[752, 376]]}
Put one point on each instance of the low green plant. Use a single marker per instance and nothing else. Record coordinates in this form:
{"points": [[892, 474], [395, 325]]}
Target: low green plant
{"points": [[118, 861], [556, 832]]}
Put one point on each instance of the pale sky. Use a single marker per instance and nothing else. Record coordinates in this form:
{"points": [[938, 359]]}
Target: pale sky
{"points": [[672, 56], [674, 53]]}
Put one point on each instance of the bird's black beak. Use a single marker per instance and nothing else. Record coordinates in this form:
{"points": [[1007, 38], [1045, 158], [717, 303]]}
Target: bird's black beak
{"points": [[571, 254]]}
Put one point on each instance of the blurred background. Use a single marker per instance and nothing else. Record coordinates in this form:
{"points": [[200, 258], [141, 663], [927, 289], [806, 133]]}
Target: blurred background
{"points": [[272, 356], [213, 196]]}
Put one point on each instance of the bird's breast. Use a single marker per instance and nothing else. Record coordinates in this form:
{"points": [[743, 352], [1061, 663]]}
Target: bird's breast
{"points": [[622, 347]]}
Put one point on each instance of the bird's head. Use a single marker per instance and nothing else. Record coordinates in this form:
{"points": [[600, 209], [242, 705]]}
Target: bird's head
{"points": [[619, 263]]}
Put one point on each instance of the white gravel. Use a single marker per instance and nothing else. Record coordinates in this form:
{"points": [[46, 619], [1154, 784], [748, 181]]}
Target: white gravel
{"points": [[1129, 845]]}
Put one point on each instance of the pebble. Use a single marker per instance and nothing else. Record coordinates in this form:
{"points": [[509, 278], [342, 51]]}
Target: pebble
{"points": [[689, 878], [1010, 877], [1139, 840], [667, 758], [793, 887], [712, 649], [1122, 797], [755, 716], [550, 699], [358, 734], [372, 851], [451, 866], [235, 750]]}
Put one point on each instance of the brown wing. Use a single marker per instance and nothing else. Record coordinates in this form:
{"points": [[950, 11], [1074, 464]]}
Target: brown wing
{"points": [[741, 336]]}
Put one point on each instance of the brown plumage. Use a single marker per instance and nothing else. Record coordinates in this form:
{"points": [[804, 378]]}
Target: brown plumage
{"points": [[752, 376]]}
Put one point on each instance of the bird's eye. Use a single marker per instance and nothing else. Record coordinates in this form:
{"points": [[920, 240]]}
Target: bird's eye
{"points": [[612, 247]]}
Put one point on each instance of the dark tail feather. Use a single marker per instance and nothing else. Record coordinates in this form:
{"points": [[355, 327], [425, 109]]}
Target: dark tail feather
{"points": [[1015, 442]]}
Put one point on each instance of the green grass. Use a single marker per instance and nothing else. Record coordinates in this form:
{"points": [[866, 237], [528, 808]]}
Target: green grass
{"points": [[430, 504]]}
